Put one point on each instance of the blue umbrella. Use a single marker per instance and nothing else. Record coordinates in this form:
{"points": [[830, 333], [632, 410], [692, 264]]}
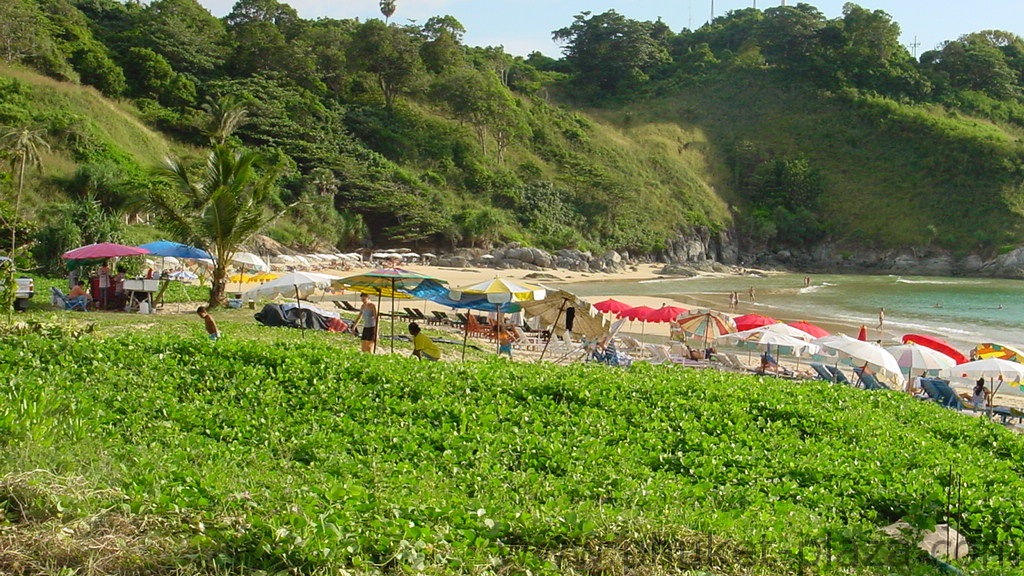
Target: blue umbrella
{"points": [[167, 248]]}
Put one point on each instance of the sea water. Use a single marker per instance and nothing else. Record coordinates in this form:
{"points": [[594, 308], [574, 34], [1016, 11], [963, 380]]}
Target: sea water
{"points": [[964, 311]]}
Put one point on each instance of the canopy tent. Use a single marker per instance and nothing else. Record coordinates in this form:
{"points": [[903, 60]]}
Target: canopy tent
{"points": [[166, 248], [103, 250], [936, 344], [394, 280], [864, 353]]}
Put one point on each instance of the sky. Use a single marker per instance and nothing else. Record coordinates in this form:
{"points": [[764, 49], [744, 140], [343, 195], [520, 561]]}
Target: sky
{"points": [[524, 26]]}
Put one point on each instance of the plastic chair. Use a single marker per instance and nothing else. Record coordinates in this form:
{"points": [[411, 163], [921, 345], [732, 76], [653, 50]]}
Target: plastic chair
{"points": [[62, 299]]}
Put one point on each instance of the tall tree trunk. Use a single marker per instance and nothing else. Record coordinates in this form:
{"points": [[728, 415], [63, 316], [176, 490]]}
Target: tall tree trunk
{"points": [[218, 286], [17, 205]]}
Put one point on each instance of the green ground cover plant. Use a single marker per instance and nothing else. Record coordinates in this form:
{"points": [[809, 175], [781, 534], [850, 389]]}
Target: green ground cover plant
{"points": [[291, 452]]}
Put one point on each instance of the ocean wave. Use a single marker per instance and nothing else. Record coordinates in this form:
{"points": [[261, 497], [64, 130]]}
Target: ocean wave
{"points": [[663, 280], [901, 280], [815, 288]]}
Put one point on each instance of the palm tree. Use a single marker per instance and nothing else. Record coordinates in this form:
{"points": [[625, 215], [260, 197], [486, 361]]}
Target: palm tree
{"points": [[219, 208], [387, 8], [227, 114], [22, 147]]}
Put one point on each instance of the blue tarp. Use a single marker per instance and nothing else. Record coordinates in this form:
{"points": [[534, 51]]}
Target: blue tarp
{"points": [[439, 294], [177, 250]]}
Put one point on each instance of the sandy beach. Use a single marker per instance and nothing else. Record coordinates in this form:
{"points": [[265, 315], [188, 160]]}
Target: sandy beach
{"points": [[647, 332]]}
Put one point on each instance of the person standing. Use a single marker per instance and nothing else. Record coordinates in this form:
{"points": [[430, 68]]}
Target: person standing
{"points": [[751, 292], [104, 283], [368, 318], [423, 347], [881, 317], [211, 324]]}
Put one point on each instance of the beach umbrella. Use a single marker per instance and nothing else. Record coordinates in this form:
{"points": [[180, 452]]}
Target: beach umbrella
{"points": [[749, 321], [299, 284], [766, 339], [500, 291], [612, 306], [641, 313], [666, 314], [936, 344], [815, 331], [391, 280], [995, 369], [708, 324], [862, 335], [917, 357], [167, 248], [1001, 351], [566, 312], [250, 260], [864, 353], [103, 250]]}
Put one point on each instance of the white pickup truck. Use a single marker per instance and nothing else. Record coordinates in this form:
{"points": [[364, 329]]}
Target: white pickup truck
{"points": [[26, 290]]}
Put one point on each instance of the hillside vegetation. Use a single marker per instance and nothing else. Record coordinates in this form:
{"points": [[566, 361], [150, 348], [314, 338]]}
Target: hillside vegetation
{"points": [[780, 125], [159, 452]]}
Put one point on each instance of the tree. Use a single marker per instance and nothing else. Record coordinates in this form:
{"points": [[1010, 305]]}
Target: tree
{"points": [[218, 208], [227, 114], [22, 146], [389, 54], [186, 34], [610, 51], [387, 8]]}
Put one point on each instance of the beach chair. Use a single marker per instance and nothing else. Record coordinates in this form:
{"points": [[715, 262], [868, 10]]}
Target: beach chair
{"points": [[346, 305], [62, 299], [737, 363], [439, 319], [823, 372], [417, 313], [868, 380]]}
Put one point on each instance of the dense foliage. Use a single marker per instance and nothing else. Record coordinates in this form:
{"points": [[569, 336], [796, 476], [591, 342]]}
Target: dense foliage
{"points": [[288, 453], [402, 133]]}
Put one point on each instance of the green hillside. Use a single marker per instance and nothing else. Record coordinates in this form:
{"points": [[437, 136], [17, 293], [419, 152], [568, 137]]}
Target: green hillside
{"points": [[781, 126]]}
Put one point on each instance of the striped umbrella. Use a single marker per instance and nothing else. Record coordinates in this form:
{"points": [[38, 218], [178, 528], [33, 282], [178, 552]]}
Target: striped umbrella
{"points": [[708, 324], [501, 290], [1000, 351], [385, 281]]}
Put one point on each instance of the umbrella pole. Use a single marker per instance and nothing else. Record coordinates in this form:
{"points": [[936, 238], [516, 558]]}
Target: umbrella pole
{"points": [[548, 342], [376, 336], [298, 303], [465, 334], [392, 315]]}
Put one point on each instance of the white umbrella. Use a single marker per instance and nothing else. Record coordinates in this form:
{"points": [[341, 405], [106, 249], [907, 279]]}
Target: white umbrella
{"points": [[250, 260], [297, 284], [429, 255], [767, 339], [995, 369], [861, 352], [778, 329], [916, 357]]}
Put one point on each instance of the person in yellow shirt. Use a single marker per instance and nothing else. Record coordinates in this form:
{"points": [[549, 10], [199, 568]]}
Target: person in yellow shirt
{"points": [[422, 346]]}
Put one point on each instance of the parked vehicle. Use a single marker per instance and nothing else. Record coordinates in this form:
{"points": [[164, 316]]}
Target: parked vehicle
{"points": [[26, 290]]}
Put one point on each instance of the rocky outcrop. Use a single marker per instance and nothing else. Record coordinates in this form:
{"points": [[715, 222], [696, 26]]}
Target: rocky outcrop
{"points": [[702, 246]]}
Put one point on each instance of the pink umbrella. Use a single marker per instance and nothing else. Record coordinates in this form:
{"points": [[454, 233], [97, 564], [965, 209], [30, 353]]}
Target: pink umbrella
{"points": [[666, 314], [613, 306], [751, 321], [813, 330], [103, 250]]}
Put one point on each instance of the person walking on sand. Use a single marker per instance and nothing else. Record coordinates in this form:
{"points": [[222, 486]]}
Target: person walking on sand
{"points": [[751, 292], [807, 281], [368, 316], [211, 324], [881, 317]]}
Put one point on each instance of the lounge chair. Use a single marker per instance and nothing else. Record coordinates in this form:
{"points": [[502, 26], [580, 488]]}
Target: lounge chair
{"points": [[439, 319], [868, 380], [823, 372], [62, 299], [346, 305], [942, 393]]}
